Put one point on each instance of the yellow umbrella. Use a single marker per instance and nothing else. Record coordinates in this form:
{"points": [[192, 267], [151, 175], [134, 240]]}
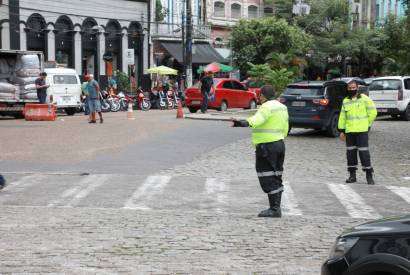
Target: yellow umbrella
{"points": [[162, 70]]}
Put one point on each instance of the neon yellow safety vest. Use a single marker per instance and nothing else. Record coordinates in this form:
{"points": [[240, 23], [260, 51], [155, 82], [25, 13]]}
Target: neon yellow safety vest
{"points": [[357, 114], [270, 123]]}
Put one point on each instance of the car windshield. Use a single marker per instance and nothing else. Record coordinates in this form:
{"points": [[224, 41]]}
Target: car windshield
{"points": [[65, 79], [304, 91], [385, 84]]}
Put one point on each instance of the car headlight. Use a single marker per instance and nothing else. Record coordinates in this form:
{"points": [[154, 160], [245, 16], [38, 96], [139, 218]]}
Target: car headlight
{"points": [[341, 247]]}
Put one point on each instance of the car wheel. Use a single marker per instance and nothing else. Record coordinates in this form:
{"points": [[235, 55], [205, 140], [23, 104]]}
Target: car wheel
{"points": [[224, 106], [332, 130], [193, 110], [406, 115], [252, 105], [70, 111]]}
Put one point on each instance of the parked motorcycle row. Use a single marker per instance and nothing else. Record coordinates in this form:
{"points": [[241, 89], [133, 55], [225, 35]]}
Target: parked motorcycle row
{"points": [[142, 100]]}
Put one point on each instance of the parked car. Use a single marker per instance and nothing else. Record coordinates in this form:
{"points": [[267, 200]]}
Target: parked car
{"points": [[229, 93], [253, 87], [369, 80], [363, 86], [315, 104], [380, 247], [65, 86], [391, 95]]}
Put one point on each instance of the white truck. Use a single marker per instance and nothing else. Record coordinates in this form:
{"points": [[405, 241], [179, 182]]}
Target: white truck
{"points": [[18, 72]]}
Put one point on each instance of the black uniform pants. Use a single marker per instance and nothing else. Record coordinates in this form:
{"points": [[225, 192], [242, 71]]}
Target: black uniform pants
{"points": [[269, 166], [358, 142]]}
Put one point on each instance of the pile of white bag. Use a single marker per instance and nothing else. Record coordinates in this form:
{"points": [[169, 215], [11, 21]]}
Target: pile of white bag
{"points": [[17, 77]]}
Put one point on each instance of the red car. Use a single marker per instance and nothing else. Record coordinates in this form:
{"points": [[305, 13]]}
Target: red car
{"points": [[253, 87], [229, 93]]}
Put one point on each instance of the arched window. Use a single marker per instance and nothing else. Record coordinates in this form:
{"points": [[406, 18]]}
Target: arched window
{"points": [[236, 11], [36, 35], [252, 11], [268, 11], [64, 41], [219, 9]]}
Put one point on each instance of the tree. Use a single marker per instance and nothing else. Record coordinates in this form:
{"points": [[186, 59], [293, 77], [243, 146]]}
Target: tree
{"points": [[160, 12], [263, 74], [254, 40]]}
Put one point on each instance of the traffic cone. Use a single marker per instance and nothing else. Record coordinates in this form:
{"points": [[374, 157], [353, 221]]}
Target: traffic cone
{"points": [[180, 113], [130, 112]]}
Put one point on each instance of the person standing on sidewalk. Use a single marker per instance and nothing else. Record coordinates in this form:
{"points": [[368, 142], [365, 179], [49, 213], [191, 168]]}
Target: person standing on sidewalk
{"points": [[41, 87], [270, 126], [94, 102], [207, 82], [356, 117]]}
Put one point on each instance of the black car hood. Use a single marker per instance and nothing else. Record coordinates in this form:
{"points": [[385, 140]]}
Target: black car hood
{"points": [[398, 225]]}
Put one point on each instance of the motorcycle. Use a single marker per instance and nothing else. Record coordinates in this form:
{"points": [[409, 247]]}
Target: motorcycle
{"points": [[170, 100], [175, 98], [158, 99], [142, 101], [105, 105], [125, 100]]}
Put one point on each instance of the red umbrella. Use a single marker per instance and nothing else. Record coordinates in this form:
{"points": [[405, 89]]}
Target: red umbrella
{"points": [[213, 67]]}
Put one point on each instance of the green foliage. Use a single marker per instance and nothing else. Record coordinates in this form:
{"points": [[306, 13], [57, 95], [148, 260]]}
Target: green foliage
{"points": [[123, 81], [278, 78], [254, 40], [160, 12]]}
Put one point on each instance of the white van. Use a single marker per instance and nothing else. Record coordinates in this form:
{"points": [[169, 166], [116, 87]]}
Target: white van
{"points": [[391, 94], [65, 86]]}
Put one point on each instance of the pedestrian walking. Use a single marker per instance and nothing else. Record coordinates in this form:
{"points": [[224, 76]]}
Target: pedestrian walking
{"points": [[270, 126], [94, 101], [41, 87], [207, 83], [86, 97], [356, 117], [2, 182]]}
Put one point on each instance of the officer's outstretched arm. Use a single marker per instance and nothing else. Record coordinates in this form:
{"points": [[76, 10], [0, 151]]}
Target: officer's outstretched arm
{"points": [[259, 118]]}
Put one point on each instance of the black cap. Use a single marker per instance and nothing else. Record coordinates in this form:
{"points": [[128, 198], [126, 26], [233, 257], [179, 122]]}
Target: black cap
{"points": [[268, 91]]}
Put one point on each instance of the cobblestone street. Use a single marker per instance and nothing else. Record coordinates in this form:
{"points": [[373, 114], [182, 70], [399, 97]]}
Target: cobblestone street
{"points": [[199, 217]]}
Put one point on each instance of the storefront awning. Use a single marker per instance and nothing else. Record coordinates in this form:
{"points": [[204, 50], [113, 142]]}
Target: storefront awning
{"points": [[202, 53]]}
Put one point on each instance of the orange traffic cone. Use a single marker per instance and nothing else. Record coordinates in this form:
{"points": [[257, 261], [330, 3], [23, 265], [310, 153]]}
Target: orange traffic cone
{"points": [[130, 112], [180, 113]]}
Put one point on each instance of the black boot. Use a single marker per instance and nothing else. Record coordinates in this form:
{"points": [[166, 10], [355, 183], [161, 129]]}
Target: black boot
{"points": [[369, 178], [352, 177], [274, 210], [2, 182]]}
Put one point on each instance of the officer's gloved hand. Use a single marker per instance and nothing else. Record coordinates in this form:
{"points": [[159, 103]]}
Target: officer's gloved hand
{"points": [[240, 123], [2, 182]]}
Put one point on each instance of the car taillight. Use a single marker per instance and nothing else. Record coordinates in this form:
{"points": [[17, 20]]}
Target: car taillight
{"points": [[282, 100], [400, 95], [322, 102]]}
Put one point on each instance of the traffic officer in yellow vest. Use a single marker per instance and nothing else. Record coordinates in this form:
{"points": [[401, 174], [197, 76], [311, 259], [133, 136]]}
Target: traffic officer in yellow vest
{"points": [[356, 117], [270, 126]]}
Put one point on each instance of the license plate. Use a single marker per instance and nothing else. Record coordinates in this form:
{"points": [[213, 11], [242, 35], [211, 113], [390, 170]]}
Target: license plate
{"points": [[298, 103], [196, 102], [67, 98], [382, 110]]}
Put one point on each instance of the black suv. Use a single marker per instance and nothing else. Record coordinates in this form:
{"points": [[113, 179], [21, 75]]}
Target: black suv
{"points": [[315, 104], [376, 248]]}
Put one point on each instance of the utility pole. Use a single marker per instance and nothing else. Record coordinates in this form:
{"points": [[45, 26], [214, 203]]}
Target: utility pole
{"points": [[183, 84], [188, 59]]}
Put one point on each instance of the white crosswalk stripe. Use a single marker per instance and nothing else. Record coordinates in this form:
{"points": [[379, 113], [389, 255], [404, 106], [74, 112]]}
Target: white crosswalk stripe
{"points": [[353, 202], [218, 191], [403, 192], [290, 204], [77, 193], [156, 192], [152, 186]]}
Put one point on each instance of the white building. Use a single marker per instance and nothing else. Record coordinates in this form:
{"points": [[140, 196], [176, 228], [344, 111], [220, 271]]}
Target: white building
{"points": [[79, 32]]}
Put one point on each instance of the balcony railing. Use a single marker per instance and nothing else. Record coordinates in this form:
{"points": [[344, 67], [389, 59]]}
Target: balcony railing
{"points": [[175, 31]]}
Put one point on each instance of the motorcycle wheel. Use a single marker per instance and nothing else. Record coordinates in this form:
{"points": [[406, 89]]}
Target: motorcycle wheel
{"points": [[171, 104], [145, 105], [123, 104], [105, 106], [115, 105]]}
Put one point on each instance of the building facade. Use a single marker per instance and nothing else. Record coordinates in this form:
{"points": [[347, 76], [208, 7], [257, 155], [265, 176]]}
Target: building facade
{"points": [[80, 33], [384, 8]]}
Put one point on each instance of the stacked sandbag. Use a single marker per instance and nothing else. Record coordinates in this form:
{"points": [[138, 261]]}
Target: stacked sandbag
{"points": [[26, 87], [28, 66], [8, 91]]}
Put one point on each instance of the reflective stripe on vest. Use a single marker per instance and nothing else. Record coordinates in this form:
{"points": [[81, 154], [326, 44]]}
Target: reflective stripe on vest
{"points": [[357, 117], [268, 131]]}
